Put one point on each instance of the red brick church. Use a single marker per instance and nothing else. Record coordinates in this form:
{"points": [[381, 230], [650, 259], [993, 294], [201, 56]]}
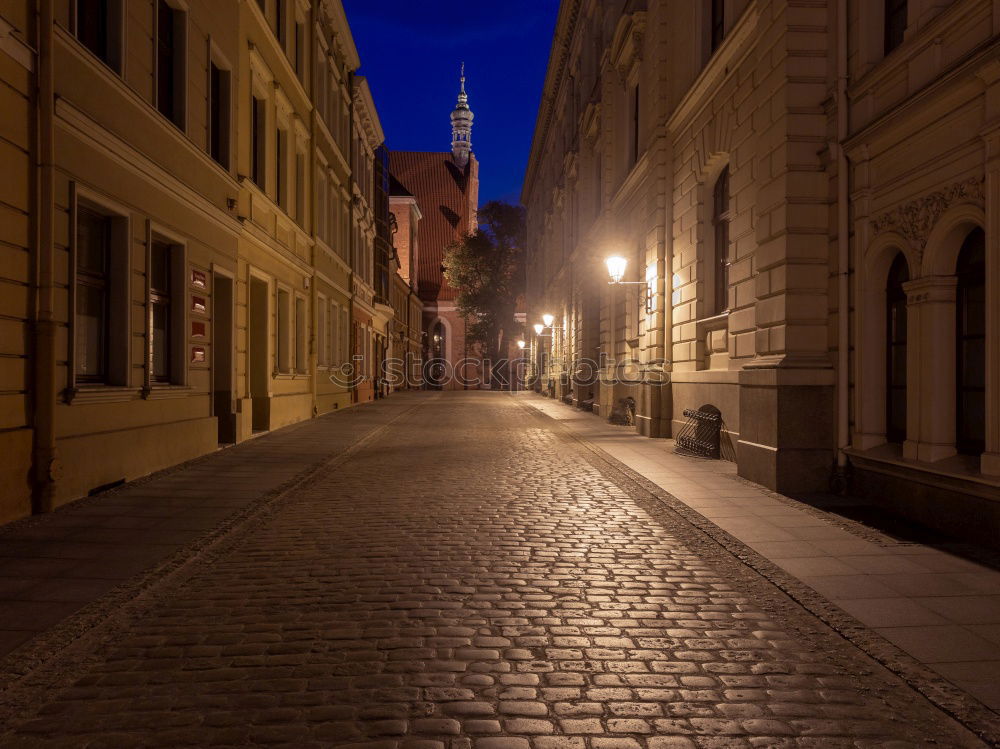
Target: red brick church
{"points": [[445, 187]]}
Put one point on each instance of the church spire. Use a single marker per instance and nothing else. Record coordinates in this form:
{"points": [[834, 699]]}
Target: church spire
{"points": [[461, 126]]}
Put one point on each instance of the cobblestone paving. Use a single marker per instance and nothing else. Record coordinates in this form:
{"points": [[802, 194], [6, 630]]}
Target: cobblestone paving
{"points": [[469, 581]]}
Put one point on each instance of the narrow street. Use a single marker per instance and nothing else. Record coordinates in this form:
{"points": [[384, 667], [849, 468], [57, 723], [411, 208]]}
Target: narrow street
{"points": [[494, 589]]}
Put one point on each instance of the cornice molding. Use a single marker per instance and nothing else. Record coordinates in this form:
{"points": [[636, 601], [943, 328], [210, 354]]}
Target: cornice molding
{"points": [[569, 12]]}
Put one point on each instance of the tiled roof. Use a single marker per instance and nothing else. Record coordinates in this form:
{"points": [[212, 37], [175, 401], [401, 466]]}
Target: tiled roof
{"points": [[440, 189]]}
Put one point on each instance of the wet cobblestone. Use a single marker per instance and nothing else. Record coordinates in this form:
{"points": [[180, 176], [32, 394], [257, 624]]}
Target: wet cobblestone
{"points": [[470, 581]]}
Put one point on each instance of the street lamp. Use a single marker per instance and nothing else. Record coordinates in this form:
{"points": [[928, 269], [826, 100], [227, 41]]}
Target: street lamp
{"points": [[521, 345], [548, 320], [539, 328], [616, 269]]}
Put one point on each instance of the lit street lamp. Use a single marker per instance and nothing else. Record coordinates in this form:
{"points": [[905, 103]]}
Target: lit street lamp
{"points": [[616, 269]]}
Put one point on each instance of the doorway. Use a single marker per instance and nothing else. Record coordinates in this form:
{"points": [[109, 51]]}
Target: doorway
{"points": [[257, 355], [222, 357]]}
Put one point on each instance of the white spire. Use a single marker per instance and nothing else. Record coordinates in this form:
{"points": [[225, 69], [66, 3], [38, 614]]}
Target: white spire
{"points": [[461, 126]]}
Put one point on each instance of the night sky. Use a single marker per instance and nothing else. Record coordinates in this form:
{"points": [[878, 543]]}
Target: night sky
{"points": [[411, 51]]}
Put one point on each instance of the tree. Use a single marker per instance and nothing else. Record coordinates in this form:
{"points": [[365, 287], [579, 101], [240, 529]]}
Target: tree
{"points": [[486, 267]]}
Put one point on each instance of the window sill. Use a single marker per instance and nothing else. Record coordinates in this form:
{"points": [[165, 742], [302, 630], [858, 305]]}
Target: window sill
{"points": [[88, 394], [955, 472], [164, 391]]}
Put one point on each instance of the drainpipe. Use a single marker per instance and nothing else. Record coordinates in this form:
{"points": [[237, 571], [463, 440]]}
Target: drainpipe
{"points": [[46, 466], [843, 249]]}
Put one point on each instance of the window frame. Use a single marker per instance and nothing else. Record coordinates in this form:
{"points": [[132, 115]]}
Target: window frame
{"points": [[177, 304], [894, 35], [896, 299], [117, 327], [970, 277], [179, 73], [721, 217], [114, 53], [224, 129], [283, 312], [300, 363]]}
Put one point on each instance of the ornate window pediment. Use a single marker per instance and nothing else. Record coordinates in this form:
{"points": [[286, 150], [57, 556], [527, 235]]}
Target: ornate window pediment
{"points": [[626, 47]]}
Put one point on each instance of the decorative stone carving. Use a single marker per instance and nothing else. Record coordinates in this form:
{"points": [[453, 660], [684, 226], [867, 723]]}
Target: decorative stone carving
{"points": [[914, 220]]}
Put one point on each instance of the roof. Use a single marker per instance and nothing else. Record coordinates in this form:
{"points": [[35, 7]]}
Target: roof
{"points": [[442, 192]]}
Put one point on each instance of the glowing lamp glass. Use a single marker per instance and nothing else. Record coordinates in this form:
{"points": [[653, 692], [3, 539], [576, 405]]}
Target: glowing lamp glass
{"points": [[539, 328], [521, 344], [548, 320], [616, 268]]}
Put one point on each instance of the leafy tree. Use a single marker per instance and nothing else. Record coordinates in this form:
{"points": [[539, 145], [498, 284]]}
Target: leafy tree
{"points": [[487, 269]]}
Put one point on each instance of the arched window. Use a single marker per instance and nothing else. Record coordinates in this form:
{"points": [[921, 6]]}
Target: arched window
{"points": [[720, 225], [970, 354], [895, 353]]}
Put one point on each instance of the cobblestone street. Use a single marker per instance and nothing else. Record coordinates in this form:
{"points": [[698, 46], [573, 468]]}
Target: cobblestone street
{"points": [[488, 588]]}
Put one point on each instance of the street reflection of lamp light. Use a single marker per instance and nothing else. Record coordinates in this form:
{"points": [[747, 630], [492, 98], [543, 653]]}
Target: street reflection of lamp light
{"points": [[548, 320], [616, 268], [521, 344], [539, 328]]}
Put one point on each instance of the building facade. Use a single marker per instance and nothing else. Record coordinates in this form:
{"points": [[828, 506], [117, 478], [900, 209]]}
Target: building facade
{"points": [[188, 231], [446, 188], [408, 333], [802, 193]]}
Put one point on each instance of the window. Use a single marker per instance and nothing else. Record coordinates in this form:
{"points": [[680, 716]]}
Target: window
{"points": [[300, 188], [218, 114], [895, 23], [345, 335], [300, 49], [258, 118], [970, 354], [717, 29], [279, 21], [281, 167], [93, 291], [98, 27], [634, 155], [159, 311], [321, 218], [895, 355], [720, 224], [170, 73], [283, 328], [301, 342], [335, 357]]}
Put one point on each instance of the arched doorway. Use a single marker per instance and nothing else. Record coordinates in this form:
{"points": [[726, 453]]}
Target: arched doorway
{"points": [[438, 356], [895, 354], [970, 350]]}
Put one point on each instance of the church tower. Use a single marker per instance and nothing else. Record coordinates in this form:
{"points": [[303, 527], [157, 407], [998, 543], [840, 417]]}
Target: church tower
{"points": [[461, 127]]}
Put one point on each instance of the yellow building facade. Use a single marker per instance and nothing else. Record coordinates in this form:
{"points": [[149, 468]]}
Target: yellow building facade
{"points": [[177, 231]]}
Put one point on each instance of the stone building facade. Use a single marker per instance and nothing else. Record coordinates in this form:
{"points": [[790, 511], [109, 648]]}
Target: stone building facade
{"points": [[445, 186], [184, 229], [806, 196]]}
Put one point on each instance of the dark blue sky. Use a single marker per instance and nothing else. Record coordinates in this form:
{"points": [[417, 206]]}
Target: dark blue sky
{"points": [[411, 51]]}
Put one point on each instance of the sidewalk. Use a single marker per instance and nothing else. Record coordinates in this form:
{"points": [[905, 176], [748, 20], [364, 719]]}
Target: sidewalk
{"points": [[934, 605], [53, 566]]}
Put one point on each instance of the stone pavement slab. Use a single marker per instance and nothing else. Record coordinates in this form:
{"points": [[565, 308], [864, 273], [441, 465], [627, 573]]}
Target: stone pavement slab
{"points": [[470, 578], [924, 600]]}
